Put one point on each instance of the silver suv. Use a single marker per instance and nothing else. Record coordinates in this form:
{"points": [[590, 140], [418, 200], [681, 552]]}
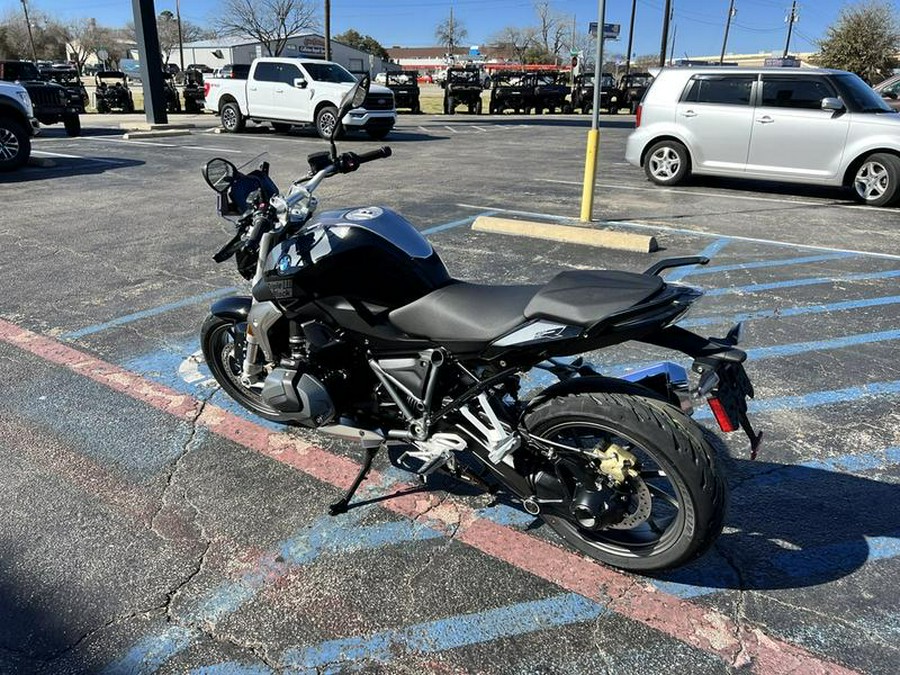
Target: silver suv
{"points": [[825, 127]]}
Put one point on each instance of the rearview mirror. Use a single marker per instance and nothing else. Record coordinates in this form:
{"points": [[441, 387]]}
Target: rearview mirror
{"points": [[354, 98], [219, 174], [831, 103], [300, 83]]}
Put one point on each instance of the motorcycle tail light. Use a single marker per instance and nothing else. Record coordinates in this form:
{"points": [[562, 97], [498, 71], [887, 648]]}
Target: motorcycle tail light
{"points": [[718, 411], [637, 119]]}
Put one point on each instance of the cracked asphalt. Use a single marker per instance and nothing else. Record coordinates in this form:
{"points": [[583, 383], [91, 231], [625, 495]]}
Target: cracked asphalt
{"points": [[151, 527]]}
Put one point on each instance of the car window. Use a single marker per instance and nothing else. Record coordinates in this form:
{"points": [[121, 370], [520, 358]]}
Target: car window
{"points": [[805, 93], [328, 72], [892, 89], [267, 72], [289, 73], [720, 89]]}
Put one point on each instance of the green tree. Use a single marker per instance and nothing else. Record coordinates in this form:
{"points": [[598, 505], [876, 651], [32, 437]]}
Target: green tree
{"points": [[864, 40], [365, 43]]}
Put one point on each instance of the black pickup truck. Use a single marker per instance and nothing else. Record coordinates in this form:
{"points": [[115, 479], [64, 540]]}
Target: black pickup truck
{"points": [[51, 101]]}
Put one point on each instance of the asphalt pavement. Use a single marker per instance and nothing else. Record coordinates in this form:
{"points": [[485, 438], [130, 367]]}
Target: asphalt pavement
{"points": [[154, 527]]}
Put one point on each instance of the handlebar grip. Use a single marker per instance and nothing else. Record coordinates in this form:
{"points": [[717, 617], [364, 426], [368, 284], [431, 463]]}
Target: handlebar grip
{"points": [[380, 153]]}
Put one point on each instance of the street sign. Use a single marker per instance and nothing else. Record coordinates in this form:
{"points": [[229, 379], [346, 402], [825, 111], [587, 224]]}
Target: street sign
{"points": [[610, 30]]}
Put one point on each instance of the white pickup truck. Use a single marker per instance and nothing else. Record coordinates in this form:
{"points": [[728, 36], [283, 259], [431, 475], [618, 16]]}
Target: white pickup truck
{"points": [[289, 91]]}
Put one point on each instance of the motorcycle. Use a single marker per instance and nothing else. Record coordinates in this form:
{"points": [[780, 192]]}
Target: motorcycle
{"points": [[354, 327]]}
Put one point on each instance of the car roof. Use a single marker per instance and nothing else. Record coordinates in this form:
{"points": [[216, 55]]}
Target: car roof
{"points": [[746, 70]]}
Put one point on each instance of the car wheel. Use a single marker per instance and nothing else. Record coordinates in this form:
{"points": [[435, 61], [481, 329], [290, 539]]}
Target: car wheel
{"points": [[667, 163], [73, 125], [478, 107], [877, 180], [15, 145], [232, 120], [451, 106], [567, 109]]}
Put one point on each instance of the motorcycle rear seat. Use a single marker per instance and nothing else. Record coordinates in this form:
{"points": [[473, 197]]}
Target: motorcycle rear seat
{"points": [[481, 313]]}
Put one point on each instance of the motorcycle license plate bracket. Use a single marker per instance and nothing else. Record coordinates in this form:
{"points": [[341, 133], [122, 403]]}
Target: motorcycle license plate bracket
{"points": [[725, 384]]}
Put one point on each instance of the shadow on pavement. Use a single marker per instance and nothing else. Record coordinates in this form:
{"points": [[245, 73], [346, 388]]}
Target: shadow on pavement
{"points": [[67, 166]]}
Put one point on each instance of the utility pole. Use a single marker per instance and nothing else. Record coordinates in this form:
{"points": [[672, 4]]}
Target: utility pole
{"points": [[630, 37], [791, 20], [328, 30], [30, 34], [667, 15], [451, 35], [180, 36], [731, 13], [672, 50]]}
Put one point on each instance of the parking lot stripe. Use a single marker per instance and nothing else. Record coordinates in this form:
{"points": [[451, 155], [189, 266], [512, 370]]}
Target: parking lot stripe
{"points": [[454, 223], [678, 230], [771, 263], [710, 251], [790, 311], [148, 655], [450, 633], [810, 281], [116, 162], [146, 313]]}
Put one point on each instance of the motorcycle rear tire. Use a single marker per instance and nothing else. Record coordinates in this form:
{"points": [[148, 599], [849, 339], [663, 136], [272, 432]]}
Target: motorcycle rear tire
{"points": [[214, 337], [683, 459]]}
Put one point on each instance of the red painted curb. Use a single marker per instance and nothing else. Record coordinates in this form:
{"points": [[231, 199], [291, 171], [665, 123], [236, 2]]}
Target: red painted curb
{"points": [[737, 644]]}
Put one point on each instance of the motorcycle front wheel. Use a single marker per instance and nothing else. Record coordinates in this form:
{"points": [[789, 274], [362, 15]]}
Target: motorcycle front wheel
{"points": [[222, 342], [678, 499]]}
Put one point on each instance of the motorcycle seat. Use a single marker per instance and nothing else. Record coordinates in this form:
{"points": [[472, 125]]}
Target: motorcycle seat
{"points": [[463, 311]]}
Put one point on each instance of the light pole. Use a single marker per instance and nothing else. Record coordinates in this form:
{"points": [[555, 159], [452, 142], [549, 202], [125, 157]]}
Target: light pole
{"points": [[328, 30], [731, 14], [593, 144], [30, 34]]}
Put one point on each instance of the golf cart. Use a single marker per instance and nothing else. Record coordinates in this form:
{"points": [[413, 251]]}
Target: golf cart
{"points": [[112, 93], [463, 87], [405, 85]]}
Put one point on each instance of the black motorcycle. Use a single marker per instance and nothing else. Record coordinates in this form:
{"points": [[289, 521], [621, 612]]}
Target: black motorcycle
{"points": [[356, 328]]}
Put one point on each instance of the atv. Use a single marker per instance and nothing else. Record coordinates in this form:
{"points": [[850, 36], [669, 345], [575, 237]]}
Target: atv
{"points": [[194, 94], [463, 87], [583, 93], [510, 90], [549, 92], [113, 92], [405, 85], [173, 101], [633, 87]]}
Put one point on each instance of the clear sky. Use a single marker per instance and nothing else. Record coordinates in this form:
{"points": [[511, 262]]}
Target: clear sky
{"points": [[699, 24]]}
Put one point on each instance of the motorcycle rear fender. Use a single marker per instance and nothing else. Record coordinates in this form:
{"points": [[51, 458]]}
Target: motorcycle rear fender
{"points": [[234, 307]]}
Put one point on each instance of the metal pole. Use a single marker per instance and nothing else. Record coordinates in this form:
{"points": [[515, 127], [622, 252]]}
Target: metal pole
{"points": [[180, 37], [30, 34], [593, 143], [630, 37], [328, 30], [667, 13], [151, 61], [791, 20], [672, 51], [727, 26]]}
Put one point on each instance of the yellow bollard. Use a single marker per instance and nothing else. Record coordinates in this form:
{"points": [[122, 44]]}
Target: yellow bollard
{"points": [[590, 171]]}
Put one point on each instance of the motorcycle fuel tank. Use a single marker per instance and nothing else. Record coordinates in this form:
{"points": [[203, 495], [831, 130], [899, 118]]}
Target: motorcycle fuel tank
{"points": [[371, 254]]}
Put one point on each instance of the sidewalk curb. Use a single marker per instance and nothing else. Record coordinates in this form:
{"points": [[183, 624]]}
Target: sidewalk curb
{"points": [[587, 236]]}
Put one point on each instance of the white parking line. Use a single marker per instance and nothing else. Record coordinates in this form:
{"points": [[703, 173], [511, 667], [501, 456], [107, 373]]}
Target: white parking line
{"points": [[451, 129], [699, 193], [86, 159], [157, 144]]}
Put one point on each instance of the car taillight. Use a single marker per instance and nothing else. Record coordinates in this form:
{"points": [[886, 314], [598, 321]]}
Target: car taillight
{"points": [[637, 119], [205, 89]]}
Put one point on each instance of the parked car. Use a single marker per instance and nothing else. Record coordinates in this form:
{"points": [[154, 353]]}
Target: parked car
{"points": [[17, 126], [287, 91], [112, 93], [462, 86], [632, 88], [51, 101], [235, 71], [889, 90], [405, 86], [202, 67], [818, 126]]}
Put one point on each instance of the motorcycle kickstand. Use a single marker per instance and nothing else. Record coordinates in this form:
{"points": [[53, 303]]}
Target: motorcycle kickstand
{"points": [[343, 503]]}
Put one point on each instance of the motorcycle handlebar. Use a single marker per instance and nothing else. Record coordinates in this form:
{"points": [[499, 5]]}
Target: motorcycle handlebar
{"points": [[383, 152]]}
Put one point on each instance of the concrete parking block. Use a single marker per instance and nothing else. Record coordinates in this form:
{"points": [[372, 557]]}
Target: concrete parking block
{"points": [[622, 241]]}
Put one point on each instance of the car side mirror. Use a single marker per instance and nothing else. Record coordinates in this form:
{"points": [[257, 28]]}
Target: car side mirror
{"points": [[300, 83], [831, 103]]}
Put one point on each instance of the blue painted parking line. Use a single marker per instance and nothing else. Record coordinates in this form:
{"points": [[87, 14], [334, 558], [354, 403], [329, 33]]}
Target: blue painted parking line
{"points": [[450, 633], [233, 668], [794, 283], [784, 312], [152, 652], [759, 264], [147, 313], [455, 223], [709, 252]]}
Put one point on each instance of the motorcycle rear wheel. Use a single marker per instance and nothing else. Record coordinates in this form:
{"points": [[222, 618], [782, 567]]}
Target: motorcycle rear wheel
{"points": [[221, 340], [687, 492]]}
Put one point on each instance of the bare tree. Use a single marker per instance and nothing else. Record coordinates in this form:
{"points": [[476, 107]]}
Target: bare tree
{"points": [[450, 32], [514, 43], [553, 28], [84, 38], [271, 22]]}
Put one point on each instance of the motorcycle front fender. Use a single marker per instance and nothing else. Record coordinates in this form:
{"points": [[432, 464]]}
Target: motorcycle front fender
{"points": [[235, 308]]}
